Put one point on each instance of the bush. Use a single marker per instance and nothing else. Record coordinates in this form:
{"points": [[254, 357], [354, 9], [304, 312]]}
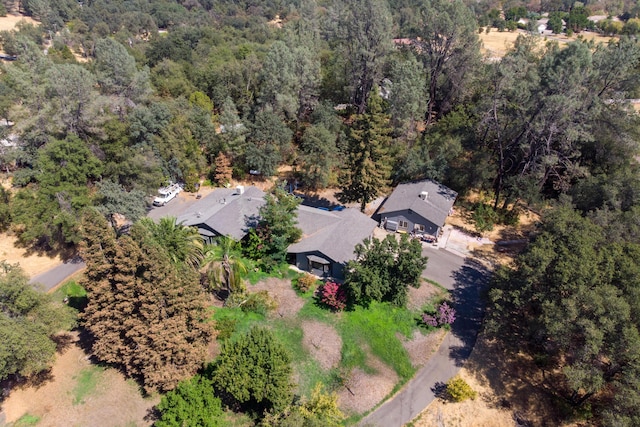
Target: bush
{"points": [[259, 302], [445, 315], [485, 217], [333, 296], [458, 390], [225, 327], [306, 282]]}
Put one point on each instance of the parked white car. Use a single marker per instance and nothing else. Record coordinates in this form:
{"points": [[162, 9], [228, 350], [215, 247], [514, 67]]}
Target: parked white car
{"points": [[166, 194]]}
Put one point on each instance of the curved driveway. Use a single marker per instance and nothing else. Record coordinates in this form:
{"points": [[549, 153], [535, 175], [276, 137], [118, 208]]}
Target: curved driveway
{"points": [[466, 279]]}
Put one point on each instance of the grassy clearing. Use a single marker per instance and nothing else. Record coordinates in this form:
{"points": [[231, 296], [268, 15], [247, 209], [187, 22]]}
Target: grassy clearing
{"points": [[376, 328], [308, 370], [87, 379], [74, 294], [241, 320], [26, 420]]}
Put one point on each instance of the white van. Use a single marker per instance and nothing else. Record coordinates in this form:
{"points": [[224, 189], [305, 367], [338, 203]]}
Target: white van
{"points": [[166, 194]]}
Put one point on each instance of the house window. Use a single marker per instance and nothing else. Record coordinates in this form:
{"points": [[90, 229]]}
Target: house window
{"points": [[403, 224], [419, 227], [322, 267]]}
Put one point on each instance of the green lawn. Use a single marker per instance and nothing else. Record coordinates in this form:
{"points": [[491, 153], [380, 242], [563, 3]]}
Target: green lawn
{"points": [[74, 294]]}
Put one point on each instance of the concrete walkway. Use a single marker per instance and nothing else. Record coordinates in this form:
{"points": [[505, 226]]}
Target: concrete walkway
{"points": [[469, 281]]}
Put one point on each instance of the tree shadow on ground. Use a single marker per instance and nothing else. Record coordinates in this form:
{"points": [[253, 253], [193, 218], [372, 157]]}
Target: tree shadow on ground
{"points": [[318, 202], [471, 284]]}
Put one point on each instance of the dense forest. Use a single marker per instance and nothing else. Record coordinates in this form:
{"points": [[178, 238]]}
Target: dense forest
{"points": [[106, 101]]}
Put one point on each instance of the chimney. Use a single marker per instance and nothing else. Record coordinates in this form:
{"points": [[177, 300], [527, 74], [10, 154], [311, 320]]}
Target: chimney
{"points": [[240, 189], [424, 195]]}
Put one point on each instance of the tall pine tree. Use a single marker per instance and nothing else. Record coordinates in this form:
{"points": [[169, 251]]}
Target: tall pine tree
{"points": [[367, 171], [145, 313]]}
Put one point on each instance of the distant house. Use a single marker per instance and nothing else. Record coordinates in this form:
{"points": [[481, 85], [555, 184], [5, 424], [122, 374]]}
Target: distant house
{"points": [[420, 207], [328, 239], [225, 212]]}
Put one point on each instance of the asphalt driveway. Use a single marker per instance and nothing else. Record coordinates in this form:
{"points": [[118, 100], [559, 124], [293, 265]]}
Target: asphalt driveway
{"points": [[466, 279]]}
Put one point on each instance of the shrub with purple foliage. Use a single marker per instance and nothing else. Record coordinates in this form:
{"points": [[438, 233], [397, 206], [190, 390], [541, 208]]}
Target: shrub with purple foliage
{"points": [[445, 315], [334, 296], [430, 320]]}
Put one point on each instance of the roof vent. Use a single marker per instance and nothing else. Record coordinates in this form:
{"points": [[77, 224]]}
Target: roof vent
{"points": [[424, 195]]}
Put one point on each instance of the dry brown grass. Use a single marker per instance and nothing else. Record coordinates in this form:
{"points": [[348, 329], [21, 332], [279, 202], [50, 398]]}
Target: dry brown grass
{"points": [[114, 402], [32, 263], [288, 302], [496, 43], [509, 386], [421, 347], [323, 343], [363, 391], [9, 22]]}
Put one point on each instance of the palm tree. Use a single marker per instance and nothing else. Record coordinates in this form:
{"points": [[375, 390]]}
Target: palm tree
{"points": [[183, 244], [224, 266]]}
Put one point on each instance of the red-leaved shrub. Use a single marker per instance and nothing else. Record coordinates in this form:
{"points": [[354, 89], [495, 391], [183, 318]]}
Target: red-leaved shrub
{"points": [[333, 296]]}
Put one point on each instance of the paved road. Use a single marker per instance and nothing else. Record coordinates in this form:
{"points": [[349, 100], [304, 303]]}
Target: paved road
{"points": [[466, 279], [52, 278]]}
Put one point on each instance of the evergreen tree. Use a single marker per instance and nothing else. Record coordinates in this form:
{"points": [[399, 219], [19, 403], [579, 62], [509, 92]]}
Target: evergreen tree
{"points": [[319, 156], [571, 299], [191, 404], [450, 48], [366, 171], [384, 269], [365, 29], [223, 172], [277, 226], [254, 373], [145, 313]]}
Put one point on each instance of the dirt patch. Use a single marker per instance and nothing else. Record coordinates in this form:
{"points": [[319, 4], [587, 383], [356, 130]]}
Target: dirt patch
{"points": [[32, 263], [9, 22], [363, 391], [113, 402], [421, 347], [422, 295], [289, 303], [323, 343]]}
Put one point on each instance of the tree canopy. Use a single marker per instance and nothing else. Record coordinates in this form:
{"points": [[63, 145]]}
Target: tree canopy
{"points": [[384, 269], [29, 319], [145, 313], [254, 372]]}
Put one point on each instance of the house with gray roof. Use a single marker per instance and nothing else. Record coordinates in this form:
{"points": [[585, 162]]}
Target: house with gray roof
{"points": [[225, 212], [419, 207], [328, 239]]}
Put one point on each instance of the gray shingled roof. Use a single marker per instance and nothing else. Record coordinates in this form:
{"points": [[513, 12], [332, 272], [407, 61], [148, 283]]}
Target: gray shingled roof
{"points": [[435, 208], [335, 233], [226, 211]]}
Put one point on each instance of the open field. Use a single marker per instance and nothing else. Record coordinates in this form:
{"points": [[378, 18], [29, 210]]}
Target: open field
{"points": [[9, 22], [496, 43]]}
